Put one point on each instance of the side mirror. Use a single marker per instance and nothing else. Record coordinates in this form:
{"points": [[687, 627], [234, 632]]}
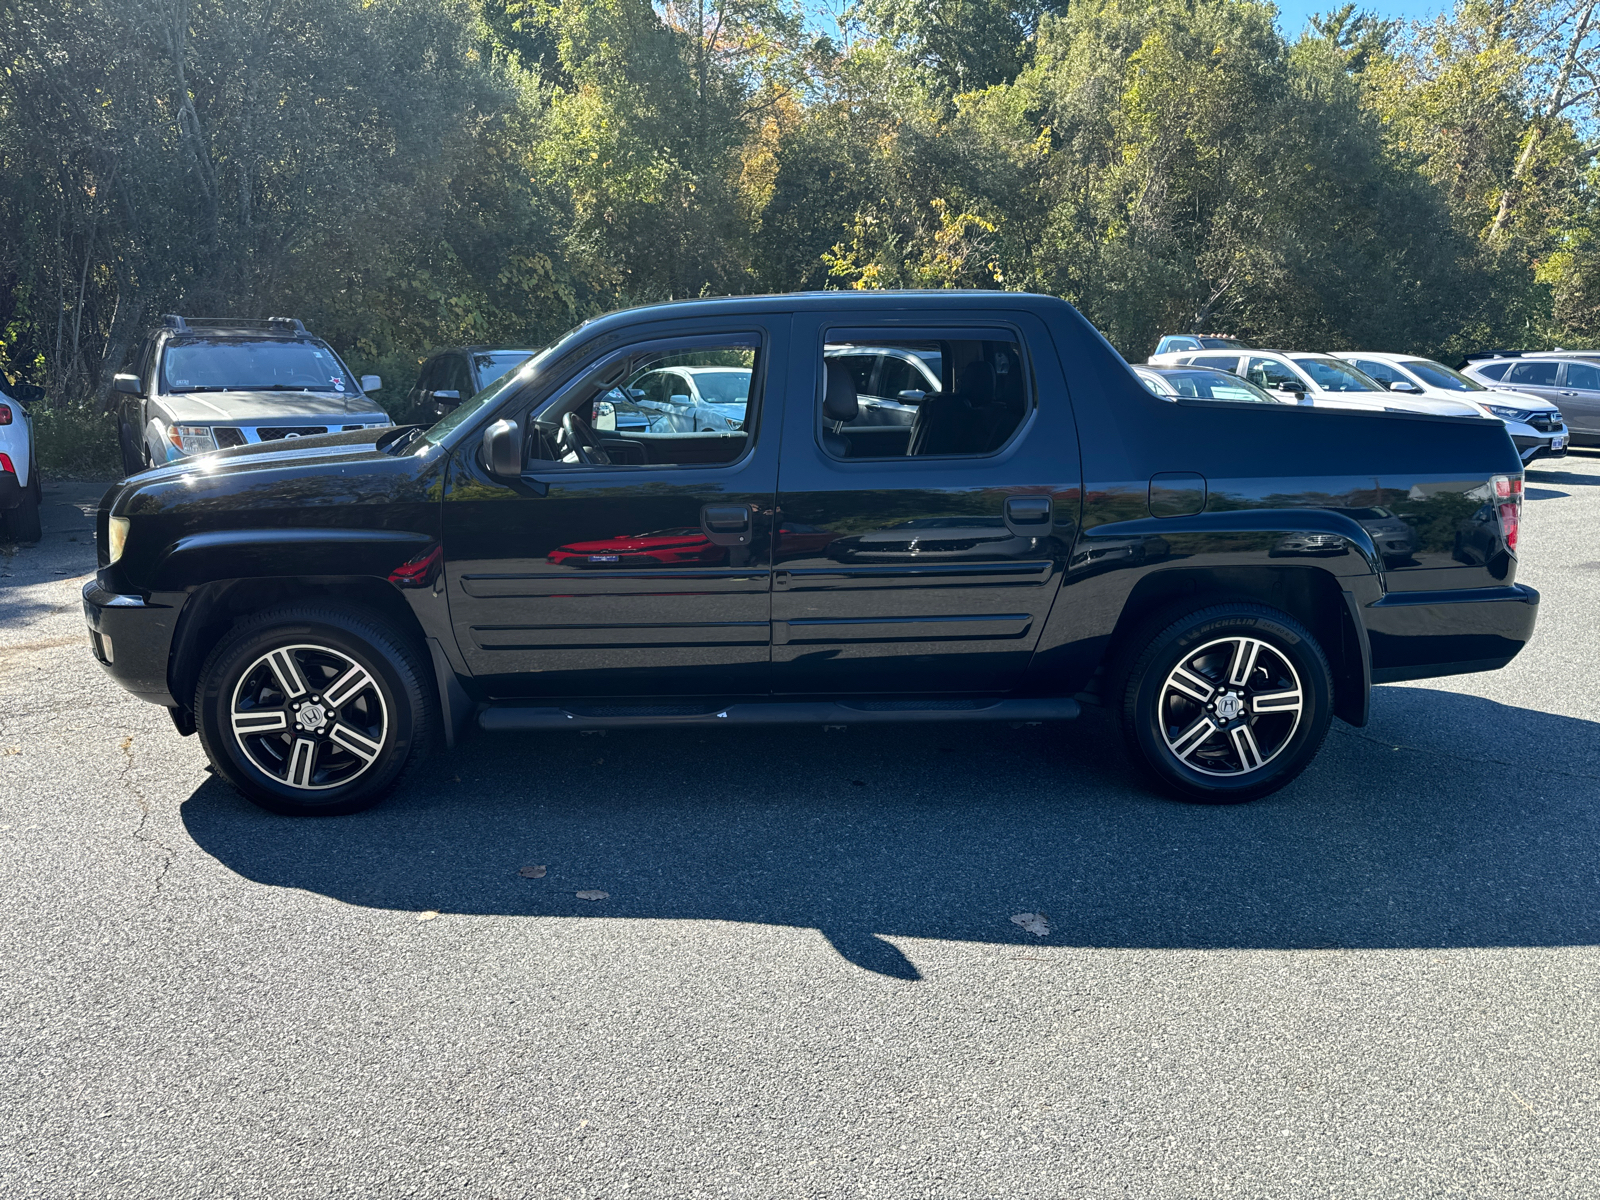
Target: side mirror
{"points": [[502, 449], [444, 401], [1405, 385], [911, 396], [371, 383], [679, 398], [1285, 386], [128, 385]]}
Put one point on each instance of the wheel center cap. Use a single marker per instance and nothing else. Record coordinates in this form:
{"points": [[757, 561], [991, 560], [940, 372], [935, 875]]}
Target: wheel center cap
{"points": [[1229, 706], [311, 717]]}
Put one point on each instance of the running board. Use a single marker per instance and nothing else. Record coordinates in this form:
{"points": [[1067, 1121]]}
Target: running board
{"points": [[509, 718]]}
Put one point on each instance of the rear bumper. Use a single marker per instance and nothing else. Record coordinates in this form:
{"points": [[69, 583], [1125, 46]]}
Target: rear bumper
{"points": [[132, 638], [1417, 635]]}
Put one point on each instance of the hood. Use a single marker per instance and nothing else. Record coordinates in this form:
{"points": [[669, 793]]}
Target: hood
{"points": [[1433, 405], [331, 449], [212, 408]]}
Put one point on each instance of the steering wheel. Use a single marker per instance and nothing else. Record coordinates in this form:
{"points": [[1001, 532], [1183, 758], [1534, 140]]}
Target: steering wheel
{"points": [[581, 440]]}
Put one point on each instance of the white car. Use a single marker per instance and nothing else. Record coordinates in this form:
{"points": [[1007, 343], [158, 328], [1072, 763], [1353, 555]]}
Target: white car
{"points": [[1534, 423], [1173, 346], [1324, 381], [1204, 383], [21, 488]]}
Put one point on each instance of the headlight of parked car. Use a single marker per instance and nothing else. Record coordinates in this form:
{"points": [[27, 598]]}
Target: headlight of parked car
{"points": [[116, 537], [1508, 414], [192, 439]]}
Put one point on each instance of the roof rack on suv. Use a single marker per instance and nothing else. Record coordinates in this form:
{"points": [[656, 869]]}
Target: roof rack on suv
{"points": [[272, 324]]}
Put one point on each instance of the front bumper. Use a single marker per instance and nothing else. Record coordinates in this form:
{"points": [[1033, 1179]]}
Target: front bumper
{"points": [[1418, 635], [1533, 445], [131, 636]]}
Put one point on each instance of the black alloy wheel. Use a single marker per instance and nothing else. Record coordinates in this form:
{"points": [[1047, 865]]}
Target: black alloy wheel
{"points": [[313, 710], [1227, 704]]}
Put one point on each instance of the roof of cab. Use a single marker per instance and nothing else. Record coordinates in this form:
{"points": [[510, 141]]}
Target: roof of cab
{"points": [[811, 301]]}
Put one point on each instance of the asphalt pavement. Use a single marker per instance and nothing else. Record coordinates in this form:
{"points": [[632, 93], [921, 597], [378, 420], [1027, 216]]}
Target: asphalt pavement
{"points": [[804, 978]]}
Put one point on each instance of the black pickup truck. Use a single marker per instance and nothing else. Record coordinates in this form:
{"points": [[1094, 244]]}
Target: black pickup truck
{"points": [[839, 508]]}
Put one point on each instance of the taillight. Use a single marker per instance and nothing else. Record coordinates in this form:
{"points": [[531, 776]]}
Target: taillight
{"points": [[1508, 506], [5, 414], [5, 465]]}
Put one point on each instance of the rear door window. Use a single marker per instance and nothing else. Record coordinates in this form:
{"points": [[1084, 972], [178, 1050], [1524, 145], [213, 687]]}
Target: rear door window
{"points": [[1492, 370]]}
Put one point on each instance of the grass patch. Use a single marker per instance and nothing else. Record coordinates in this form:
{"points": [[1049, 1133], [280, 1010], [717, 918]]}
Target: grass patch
{"points": [[75, 440]]}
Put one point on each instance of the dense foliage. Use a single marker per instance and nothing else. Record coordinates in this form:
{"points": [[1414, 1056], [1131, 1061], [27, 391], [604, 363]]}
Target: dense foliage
{"points": [[404, 174]]}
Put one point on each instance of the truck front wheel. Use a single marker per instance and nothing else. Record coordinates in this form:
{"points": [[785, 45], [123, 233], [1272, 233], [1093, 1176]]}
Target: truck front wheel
{"points": [[1228, 703], [311, 710]]}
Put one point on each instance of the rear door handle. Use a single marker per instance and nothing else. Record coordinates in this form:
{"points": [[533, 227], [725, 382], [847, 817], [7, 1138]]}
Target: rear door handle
{"points": [[1027, 515], [726, 524]]}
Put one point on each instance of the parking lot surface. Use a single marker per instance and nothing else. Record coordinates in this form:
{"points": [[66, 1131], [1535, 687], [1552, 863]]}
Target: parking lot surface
{"points": [[804, 978]]}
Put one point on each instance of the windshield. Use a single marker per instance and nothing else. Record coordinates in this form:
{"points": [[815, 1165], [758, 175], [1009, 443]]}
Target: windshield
{"points": [[1440, 376], [492, 393], [492, 364], [1331, 375], [204, 364], [1214, 385], [723, 387]]}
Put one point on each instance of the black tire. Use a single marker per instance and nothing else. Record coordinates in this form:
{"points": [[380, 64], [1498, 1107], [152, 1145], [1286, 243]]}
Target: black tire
{"points": [[132, 450], [1283, 708], [22, 522], [364, 737]]}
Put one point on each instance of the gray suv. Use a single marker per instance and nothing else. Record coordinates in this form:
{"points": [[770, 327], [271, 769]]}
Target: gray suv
{"points": [[198, 385]]}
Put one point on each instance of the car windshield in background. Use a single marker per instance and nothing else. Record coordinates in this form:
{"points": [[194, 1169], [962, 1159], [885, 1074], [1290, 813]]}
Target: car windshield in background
{"points": [[1221, 344], [490, 394], [1331, 375], [731, 386], [492, 364], [221, 365], [1214, 385], [1440, 376]]}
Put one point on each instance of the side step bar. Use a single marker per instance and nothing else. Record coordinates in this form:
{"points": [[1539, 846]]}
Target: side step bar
{"points": [[520, 718]]}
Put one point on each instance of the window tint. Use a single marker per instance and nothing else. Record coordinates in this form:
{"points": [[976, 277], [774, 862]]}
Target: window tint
{"points": [[457, 377], [1494, 370], [1440, 376], [491, 364], [982, 397], [1268, 373], [686, 406], [1222, 362], [1535, 374], [1208, 385], [1381, 371], [1334, 375], [1583, 375]]}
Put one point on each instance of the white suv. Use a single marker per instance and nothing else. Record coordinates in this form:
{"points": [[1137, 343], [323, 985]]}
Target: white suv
{"points": [[21, 488], [1323, 381], [1534, 423]]}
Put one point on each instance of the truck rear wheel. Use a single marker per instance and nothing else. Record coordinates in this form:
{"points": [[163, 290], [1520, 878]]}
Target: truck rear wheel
{"points": [[1228, 703], [314, 711]]}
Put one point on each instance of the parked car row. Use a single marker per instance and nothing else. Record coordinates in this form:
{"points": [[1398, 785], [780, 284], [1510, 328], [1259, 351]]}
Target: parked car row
{"points": [[1546, 403]]}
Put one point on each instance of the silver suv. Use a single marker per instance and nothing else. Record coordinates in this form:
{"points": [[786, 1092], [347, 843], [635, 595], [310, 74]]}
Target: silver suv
{"points": [[200, 385]]}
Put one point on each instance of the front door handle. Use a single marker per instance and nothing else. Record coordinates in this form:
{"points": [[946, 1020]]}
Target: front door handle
{"points": [[1027, 515], [726, 524]]}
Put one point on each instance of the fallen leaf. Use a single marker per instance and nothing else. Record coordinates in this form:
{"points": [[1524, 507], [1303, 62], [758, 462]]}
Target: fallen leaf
{"points": [[10, 750], [532, 872], [126, 743], [1034, 923], [428, 916], [593, 895]]}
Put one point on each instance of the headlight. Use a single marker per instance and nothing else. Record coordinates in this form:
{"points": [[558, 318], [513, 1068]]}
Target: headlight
{"points": [[192, 439], [116, 538], [1509, 414]]}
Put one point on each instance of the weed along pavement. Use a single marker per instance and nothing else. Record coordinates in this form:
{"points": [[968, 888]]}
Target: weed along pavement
{"points": [[768, 962]]}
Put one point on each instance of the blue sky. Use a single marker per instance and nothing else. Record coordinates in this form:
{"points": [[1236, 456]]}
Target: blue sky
{"points": [[1293, 14]]}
